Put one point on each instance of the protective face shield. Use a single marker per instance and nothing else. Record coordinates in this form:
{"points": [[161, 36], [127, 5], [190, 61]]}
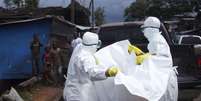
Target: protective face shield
{"points": [[151, 25], [91, 40]]}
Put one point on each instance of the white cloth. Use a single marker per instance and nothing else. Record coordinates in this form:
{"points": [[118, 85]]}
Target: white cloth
{"points": [[151, 80], [116, 55], [82, 70], [171, 93], [148, 80]]}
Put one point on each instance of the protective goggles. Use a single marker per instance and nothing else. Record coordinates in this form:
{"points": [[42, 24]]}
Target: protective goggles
{"points": [[97, 44], [144, 27]]}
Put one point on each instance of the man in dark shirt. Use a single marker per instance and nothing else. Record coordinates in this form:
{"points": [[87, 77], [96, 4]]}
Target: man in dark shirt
{"points": [[35, 51]]}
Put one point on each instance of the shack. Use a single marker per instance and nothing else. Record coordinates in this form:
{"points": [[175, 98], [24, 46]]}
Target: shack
{"points": [[15, 53]]}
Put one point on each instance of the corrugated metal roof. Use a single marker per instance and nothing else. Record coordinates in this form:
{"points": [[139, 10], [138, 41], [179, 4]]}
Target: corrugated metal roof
{"points": [[49, 17], [23, 21], [116, 24], [40, 18]]}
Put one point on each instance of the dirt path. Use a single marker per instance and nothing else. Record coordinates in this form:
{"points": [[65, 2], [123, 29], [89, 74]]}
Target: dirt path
{"points": [[47, 94]]}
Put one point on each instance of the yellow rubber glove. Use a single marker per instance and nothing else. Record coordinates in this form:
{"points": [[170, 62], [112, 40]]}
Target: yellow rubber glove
{"points": [[141, 58], [136, 50], [112, 71]]}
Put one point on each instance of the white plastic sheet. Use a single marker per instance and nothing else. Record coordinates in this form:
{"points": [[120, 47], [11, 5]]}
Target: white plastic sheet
{"points": [[117, 55], [148, 80]]}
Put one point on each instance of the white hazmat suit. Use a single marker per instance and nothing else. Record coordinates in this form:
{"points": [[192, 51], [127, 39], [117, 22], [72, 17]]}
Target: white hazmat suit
{"points": [[76, 41], [83, 71], [158, 48]]}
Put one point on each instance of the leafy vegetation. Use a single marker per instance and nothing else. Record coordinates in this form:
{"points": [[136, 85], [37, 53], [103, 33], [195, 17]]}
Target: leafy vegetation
{"points": [[99, 16], [163, 9]]}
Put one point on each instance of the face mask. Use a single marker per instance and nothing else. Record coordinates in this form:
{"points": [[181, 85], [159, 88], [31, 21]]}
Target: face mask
{"points": [[147, 33], [150, 33]]}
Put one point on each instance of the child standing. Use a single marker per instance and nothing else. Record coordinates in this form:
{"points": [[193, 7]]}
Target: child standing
{"points": [[47, 63]]}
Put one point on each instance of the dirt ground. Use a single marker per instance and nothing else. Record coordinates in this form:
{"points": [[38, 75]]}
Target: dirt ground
{"points": [[47, 94], [41, 92]]}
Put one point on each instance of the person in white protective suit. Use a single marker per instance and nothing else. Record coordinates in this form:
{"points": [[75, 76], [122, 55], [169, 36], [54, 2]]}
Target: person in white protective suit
{"points": [[158, 47], [83, 71], [75, 42]]}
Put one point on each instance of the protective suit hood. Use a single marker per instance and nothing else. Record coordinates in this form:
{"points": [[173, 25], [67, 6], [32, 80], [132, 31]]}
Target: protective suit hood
{"points": [[151, 27], [151, 22], [91, 42], [157, 43]]}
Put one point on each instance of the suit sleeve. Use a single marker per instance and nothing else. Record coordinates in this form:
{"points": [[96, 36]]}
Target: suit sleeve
{"points": [[95, 72]]}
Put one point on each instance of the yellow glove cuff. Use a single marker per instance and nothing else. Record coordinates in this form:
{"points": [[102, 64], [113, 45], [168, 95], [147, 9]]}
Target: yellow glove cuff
{"points": [[132, 48], [141, 58]]}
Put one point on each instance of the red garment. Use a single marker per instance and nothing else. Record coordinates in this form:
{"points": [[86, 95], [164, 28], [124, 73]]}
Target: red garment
{"points": [[47, 58]]}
